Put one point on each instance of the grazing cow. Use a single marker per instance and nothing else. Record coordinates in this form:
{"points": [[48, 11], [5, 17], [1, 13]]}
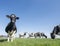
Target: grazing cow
{"points": [[22, 35], [11, 27], [38, 34], [31, 35], [56, 31]]}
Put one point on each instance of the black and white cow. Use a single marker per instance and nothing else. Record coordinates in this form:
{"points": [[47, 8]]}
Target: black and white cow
{"points": [[11, 27], [30, 35], [22, 35], [38, 34], [56, 31]]}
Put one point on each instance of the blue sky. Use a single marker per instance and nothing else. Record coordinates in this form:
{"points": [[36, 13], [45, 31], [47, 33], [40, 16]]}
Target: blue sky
{"points": [[35, 15]]}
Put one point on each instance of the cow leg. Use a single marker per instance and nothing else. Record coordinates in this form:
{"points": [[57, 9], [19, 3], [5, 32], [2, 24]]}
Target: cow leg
{"points": [[13, 36], [8, 38], [11, 39], [40, 36]]}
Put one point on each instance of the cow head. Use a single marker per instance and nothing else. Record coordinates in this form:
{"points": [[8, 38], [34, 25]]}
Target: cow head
{"points": [[12, 17], [52, 35]]}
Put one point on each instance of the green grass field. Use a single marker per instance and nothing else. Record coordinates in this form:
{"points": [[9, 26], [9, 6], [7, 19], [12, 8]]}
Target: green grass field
{"points": [[31, 42]]}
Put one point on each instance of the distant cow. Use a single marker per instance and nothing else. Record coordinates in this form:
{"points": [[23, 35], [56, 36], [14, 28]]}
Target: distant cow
{"points": [[56, 31], [22, 35], [31, 35], [11, 27], [38, 34]]}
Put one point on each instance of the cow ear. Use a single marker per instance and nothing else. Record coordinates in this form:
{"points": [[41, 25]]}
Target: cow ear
{"points": [[17, 17], [8, 16]]}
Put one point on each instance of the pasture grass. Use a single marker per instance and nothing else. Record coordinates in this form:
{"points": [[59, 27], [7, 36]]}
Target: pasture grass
{"points": [[30, 42]]}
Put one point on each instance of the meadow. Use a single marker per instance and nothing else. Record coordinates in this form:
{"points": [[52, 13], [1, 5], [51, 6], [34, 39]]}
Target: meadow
{"points": [[30, 42]]}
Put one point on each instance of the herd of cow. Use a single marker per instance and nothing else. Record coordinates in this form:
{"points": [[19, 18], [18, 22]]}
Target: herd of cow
{"points": [[32, 35], [11, 30]]}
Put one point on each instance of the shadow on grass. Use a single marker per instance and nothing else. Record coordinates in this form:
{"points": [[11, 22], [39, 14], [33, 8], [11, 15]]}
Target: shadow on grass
{"points": [[3, 40]]}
